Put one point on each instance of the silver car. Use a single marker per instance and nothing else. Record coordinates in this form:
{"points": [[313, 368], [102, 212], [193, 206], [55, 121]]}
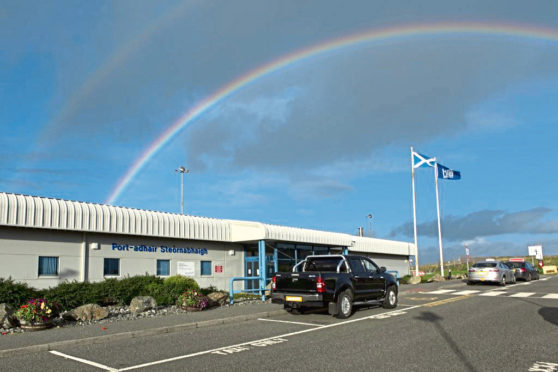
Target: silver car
{"points": [[491, 271]]}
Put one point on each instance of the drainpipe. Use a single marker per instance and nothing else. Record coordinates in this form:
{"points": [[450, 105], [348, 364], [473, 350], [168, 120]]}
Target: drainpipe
{"points": [[83, 259]]}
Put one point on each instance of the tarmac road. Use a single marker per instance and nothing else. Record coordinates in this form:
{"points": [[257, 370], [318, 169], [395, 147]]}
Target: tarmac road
{"points": [[445, 326]]}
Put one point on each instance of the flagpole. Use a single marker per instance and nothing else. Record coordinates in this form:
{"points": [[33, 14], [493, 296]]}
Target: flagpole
{"points": [[414, 211], [439, 224]]}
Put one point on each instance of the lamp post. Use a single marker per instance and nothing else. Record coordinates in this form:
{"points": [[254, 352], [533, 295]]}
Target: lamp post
{"points": [[370, 222], [182, 170]]}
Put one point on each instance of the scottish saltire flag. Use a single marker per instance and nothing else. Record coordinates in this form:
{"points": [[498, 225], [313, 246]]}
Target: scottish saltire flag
{"points": [[448, 174], [420, 160]]}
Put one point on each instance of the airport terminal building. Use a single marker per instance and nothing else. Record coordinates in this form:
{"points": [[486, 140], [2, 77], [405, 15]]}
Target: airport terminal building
{"points": [[45, 241]]}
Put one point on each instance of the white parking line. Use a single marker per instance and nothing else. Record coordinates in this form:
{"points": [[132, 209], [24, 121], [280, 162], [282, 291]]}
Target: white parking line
{"points": [[492, 293], [551, 295], [522, 294], [288, 321], [85, 361], [246, 345], [466, 292]]}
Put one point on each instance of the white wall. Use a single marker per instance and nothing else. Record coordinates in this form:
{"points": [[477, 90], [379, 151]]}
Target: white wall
{"points": [[20, 249]]}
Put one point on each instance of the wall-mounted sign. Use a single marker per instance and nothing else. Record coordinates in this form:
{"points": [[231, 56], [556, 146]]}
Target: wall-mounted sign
{"points": [[156, 249], [218, 268], [186, 268]]}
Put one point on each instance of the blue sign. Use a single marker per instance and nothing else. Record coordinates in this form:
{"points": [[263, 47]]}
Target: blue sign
{"points": [[155, 249]]}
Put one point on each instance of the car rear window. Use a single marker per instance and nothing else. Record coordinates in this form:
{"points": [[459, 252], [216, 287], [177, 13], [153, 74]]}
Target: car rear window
{"points": [[515, 264], [323, 264], [485, 264]]}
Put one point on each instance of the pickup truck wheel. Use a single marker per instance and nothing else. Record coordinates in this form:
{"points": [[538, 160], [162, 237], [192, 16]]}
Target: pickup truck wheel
{"points": [[345, 304], [390, 301]]}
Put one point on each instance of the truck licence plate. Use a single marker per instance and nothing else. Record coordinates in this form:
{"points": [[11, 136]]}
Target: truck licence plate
{"points": [[293, 299]]}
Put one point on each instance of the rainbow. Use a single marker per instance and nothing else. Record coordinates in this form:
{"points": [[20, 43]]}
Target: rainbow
{"points": [[396, 32], [103, 72]]}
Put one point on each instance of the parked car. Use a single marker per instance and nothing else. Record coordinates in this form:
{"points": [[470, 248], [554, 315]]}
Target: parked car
{"points": [[491, 271], [523, 270], [337, 282]]}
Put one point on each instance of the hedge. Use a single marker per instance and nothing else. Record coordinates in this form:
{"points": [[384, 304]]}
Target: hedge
{"points": [[16, 294], [70, 295]]}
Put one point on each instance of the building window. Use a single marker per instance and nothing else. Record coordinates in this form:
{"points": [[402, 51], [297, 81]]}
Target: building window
{"points": [[112, 266], [163, 267], [205, 267], [48, 266]]}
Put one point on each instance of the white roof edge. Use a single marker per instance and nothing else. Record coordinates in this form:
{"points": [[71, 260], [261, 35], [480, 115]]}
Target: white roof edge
{"points": [[38, 212], [103, 218], [375, 245]]}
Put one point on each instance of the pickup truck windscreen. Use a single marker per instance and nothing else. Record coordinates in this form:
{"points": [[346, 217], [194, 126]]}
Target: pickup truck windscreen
{"points": [[325, 264]]}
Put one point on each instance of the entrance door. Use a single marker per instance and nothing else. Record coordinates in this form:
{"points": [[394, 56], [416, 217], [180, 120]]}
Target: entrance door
{"points": [[252, 269]]}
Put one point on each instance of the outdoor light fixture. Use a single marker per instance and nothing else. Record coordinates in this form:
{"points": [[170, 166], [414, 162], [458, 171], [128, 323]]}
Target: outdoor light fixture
{"points": [[182, 170]]}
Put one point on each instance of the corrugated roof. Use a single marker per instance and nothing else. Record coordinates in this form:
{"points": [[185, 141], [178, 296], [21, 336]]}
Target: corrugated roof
{"points": [[298, 235], [373, 245], [48, 213]]}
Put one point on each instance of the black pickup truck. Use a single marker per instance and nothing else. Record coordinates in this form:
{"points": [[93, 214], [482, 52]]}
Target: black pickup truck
{"points": [[338, 282]]}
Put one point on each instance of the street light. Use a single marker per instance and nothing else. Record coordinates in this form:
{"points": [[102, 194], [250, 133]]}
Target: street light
{"points": [[370, 222], [182, 170]]}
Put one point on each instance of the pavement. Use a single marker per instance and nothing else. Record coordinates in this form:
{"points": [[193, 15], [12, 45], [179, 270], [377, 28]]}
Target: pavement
{"points": [[104, 331]]}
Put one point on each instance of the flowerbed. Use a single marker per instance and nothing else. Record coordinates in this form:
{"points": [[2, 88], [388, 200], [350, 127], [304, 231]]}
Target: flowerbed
{"points": [[193, 300], [37, 310]]}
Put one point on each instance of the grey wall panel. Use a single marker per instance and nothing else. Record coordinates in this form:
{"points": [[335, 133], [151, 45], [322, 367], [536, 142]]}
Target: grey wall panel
{"points": [[391, 262]]}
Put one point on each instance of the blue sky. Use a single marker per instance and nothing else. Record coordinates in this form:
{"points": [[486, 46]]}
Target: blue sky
{"points": [[86, 87]]}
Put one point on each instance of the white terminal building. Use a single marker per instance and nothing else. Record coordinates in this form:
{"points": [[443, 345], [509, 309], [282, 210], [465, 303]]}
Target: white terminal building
{"points": [[46, 241]]}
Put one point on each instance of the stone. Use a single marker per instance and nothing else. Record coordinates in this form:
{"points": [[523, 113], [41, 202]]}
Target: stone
{"points": [[436, 278], [414, 280], [88, 312], [142, 303], [7, 319], [217, 298]]}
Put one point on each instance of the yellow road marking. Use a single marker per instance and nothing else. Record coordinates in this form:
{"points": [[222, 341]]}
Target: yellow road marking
{"points": [[446, 301]]}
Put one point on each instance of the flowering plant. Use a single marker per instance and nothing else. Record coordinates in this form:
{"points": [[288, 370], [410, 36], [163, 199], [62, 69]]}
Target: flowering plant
{"points": [[35, 311], [193, 299]]}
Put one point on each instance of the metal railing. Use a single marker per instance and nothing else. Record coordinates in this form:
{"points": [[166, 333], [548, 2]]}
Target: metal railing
{"points": [[232, 291]]}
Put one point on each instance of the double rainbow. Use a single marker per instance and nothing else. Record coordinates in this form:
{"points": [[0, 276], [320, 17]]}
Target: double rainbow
{"points": [[507, 30]]}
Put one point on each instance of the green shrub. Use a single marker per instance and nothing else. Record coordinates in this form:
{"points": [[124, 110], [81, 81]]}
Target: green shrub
{"points": [[70, 295], [107, 292], [176, 285], [405, 279], [112, 291], [16, 294], [158, 292], [426, 277], [208, 290]]}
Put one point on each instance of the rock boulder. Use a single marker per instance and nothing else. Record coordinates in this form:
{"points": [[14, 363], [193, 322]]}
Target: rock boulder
{"points": [[436, 278], [142, 303], [217, 298], [7, 316], [88, 312], [414, 280]]}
